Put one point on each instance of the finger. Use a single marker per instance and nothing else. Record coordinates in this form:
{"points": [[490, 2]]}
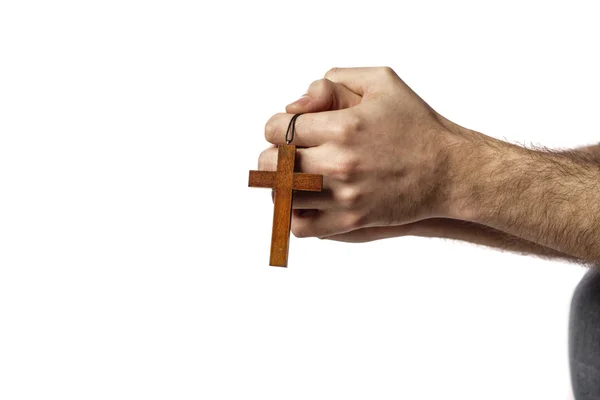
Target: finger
{"points": [[314, 160], [312, 200], [359, 80], [267, 160], [311, 129], [324, 95], [320, 223]]}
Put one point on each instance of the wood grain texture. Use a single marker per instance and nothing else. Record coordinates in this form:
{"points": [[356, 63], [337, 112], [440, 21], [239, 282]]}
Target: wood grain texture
{"points": [[282, 213], [308, 182], [265, 179], [284, 182]]}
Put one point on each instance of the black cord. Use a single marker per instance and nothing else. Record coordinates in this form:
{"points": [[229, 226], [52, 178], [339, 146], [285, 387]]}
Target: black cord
{"points": [[291, 129]]}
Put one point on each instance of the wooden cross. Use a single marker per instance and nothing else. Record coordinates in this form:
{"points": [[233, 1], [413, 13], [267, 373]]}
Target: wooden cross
{"points": [[284, 182]]}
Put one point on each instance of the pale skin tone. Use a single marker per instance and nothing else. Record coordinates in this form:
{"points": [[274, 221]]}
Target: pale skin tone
{"points": [[393, 167]]}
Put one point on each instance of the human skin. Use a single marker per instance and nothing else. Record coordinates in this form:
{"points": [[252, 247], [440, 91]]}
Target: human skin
{"points": [[393, 166]]}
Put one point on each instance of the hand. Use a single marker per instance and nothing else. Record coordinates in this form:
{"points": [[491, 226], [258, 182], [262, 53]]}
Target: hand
{"points": [[384, 157], [325, 95]]}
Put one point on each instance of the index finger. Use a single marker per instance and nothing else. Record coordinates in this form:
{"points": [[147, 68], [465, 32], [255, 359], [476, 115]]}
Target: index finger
{"points": [[311, 130]]}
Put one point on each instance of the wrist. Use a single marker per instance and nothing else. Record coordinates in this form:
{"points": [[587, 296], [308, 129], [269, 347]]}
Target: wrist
{"points": [[475, 168]]}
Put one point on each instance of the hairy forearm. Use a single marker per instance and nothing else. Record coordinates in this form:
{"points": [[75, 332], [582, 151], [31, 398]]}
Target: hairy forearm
{"points": [[549, 199], [593, 149], [471, 232]]}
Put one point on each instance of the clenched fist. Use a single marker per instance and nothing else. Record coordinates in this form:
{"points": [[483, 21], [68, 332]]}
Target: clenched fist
{"points": [[385, 154]]}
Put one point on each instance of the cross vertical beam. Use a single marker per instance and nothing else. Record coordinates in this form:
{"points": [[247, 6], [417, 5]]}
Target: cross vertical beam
{"points": [[282, 213], [284, 182]]}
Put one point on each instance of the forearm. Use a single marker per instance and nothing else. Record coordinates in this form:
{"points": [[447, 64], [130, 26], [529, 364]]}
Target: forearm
{"points": [[592, 149], [470, 232], [550, 199]]}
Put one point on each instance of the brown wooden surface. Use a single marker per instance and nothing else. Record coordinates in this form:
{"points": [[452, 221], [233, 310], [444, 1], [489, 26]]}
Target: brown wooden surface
{"points": [[308, 182], [282, 214], [265, 179], [284, 182]]}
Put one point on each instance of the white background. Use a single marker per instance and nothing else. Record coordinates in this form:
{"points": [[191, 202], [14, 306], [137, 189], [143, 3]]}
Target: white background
{"points": [[133, 257]]}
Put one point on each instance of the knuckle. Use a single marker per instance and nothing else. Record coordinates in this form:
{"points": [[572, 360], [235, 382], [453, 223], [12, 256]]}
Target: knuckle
{"points": [[271, 128], [345, 168], [267, 160], [319, 86], [323, 90], [332, 71], [353, 123], [350, 197], [347, 128], [386, 72]]}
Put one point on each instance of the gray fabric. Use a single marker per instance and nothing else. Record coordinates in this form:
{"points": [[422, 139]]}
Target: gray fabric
{"points": [[584, 338]]}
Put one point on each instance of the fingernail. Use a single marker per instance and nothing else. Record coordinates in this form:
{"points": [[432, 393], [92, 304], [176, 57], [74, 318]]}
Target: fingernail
{"points": [[302, 101]]}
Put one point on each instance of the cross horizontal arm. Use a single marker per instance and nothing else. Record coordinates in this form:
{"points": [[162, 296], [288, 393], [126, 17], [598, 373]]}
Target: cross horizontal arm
{"points": [[308, 182], [284, 183], [264, 179]]}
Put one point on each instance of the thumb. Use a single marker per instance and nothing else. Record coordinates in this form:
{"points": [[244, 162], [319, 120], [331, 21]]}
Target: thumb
{"points": [[361, 80], [324, 95]]}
